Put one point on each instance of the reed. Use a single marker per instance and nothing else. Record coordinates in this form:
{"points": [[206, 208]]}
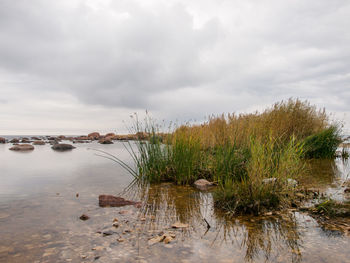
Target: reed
{"points": [[238, 152]]}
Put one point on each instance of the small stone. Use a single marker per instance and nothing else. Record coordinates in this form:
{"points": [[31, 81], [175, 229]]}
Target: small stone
{"points": [[167, 239], [115, 220], [84, 217], [107, 233], [203, 184], [120, 239], [115, 224], [179, 225], [98, 248], [155, 240]]}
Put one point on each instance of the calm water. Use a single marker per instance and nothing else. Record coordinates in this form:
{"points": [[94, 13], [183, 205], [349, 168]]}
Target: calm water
{"points": [[40, 210]]}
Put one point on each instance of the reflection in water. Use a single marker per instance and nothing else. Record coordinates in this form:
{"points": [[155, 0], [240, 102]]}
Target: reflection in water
{"points": [[39, 216], [259, 237]]}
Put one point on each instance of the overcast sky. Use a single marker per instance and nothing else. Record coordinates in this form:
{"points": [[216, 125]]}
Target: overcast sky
{"points": [[71, 67]]}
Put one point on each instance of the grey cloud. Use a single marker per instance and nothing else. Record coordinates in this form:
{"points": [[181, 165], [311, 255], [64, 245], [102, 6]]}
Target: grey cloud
{"points": [[181, 59]]}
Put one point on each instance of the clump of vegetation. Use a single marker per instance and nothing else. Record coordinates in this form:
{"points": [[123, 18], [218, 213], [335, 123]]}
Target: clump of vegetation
{"points": [[251, 157], [333, 208], [322, 144], [267, 185]]}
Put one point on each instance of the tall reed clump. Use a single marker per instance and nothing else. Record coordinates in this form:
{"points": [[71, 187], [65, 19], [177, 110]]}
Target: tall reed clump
{"points": [[250, 156], [268, 183]]}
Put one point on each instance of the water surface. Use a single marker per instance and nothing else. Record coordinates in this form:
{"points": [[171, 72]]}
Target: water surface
{"points": [[43, 193]]}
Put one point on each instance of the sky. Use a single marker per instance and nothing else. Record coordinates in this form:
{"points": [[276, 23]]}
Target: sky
{"points": [[77, 66]]}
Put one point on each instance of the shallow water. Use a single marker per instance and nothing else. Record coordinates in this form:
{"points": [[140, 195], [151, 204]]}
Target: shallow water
{"points": [[40, 210]]}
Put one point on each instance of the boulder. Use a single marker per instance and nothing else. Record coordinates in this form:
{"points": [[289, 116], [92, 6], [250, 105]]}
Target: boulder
{"points": [[62, 147], [111, 134], [105, 141], [2, 140], [94, 136], [61, 137], [25, 140], [14, 141], [22, 147], [35, 138], [38, 143], [203, 184], [114, 201]]}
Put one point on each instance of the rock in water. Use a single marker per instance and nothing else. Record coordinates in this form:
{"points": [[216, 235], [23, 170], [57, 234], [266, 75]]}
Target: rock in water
{"points": [[105, 141], [84, 217], [94, 136], [62, 147], [114, 201], [22, 147], [203, 184], [292, 182], [38, 143]]}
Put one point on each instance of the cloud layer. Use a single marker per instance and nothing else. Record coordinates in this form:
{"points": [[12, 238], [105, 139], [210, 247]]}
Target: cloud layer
{"points": [[73, 66]]}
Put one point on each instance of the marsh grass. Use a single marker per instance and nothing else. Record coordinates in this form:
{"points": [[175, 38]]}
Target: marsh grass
{"points": [[253, 193], [237, 152]]}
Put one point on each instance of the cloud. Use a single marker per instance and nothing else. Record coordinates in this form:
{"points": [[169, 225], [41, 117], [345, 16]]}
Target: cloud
{"points": [[178, 59]]}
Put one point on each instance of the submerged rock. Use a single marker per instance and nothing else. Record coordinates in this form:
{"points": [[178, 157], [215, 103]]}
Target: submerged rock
{"points": [[105, 141], [84, 217], [203, 184], [38, 143], [179, 225], [114, 201], [62, 147], [22, 147]]}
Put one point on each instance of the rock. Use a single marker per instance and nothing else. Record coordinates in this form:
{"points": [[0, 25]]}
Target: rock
{"points": [[2, 140], [25, 140], [179, 225], [155, 240], [84, 217], [105, 141], [22, 147], [347, 190], [114, 201], [51, 138], [111, 134], [38, 143], [94, 136], [203, 184], [292, 182], [168, 239], [62, 147], [14, 141], [108, 233], [98, 248], [269, 180], [62, 137]]}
